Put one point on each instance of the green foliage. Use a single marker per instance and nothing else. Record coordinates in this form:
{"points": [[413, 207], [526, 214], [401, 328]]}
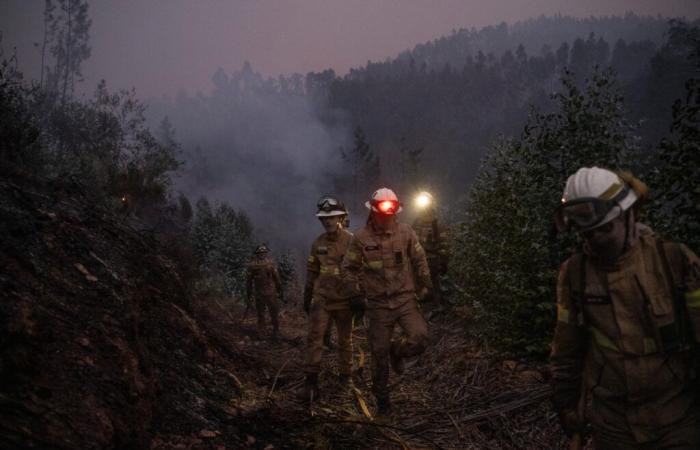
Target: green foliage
{"points": [[506, 254], [363, 164], [66, 34], [223, 240], [674, 178], [20, 145], [286, 265]]}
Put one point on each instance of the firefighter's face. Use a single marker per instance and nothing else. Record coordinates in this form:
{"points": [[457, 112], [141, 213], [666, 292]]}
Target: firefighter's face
{"points": [[608, 240], [332, 223]]}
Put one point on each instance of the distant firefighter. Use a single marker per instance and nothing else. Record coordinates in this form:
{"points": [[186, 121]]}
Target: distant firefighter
{"points": [[324, 299], [433, 237], [380, 265], [263, 282], [626, 349]]}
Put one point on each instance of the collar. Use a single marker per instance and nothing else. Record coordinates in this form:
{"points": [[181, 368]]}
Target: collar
{"points": [[389, 229]]}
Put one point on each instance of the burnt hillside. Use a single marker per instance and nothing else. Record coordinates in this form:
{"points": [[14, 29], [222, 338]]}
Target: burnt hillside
{"points": [[100, 346]]}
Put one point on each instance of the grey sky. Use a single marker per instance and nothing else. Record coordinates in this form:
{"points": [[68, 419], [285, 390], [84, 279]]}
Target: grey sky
{"points": [[161, 46]]}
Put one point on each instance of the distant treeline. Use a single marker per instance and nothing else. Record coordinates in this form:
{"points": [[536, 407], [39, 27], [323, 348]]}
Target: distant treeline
{"points": [[445, 101]]}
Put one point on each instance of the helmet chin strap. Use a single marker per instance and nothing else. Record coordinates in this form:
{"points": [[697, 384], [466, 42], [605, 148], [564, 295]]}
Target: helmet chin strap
{"points": [[626, 245]]}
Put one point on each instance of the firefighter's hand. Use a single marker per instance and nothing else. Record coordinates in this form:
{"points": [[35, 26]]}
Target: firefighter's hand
{"points": [[570, 422], [425, 295], [308, 295], [358, 304]]}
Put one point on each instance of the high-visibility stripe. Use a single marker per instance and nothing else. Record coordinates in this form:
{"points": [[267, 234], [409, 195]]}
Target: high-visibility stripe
{"points": [[611, 191], [563, 314], [350, 255], [311, 258], [335, 270], [376, 265], [417, 246], [650, 346], [604, 341], [692, 299]]}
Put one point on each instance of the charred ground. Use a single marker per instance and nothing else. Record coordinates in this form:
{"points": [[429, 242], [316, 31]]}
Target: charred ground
{"points": [[105, 346]]}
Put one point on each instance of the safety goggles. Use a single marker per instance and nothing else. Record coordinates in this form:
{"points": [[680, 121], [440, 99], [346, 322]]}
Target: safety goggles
{"points": [[585, 213], [387, 206], [328, 204]]}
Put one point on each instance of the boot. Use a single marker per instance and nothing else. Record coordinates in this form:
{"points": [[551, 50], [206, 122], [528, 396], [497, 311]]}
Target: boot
{"points": [[309, 392], [327, 342], [397, 362]]}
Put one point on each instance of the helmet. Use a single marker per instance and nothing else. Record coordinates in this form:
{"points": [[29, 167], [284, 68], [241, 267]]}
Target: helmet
{"points": [[262, 248], [593, 197], [384, 201], [329, 206]]}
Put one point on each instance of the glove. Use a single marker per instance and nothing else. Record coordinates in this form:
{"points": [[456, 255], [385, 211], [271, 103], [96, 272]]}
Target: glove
{"points": [[308, 295], [358, 305]]}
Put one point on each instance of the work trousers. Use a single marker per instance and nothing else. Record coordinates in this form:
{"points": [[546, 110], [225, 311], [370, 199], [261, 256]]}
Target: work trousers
{"points": [[268, 302], [319, 320], [381, 330]]}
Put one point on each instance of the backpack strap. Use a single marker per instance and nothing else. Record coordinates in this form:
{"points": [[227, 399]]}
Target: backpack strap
{"points": [[577, 277], [672, 263]]}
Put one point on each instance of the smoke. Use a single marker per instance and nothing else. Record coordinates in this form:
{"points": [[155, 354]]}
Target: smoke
{"points": [[260, 146]]}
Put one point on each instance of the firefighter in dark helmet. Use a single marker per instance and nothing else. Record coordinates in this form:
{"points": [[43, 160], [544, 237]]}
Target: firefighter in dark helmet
{"points": [[263, 282], [325, 301]]}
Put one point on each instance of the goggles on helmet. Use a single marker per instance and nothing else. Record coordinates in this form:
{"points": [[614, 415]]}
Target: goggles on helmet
{"points": [[386, 206], [328, 204], [585, 213]]}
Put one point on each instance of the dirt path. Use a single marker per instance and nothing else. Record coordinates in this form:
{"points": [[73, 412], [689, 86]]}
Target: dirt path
{"points": [[452, 397]]}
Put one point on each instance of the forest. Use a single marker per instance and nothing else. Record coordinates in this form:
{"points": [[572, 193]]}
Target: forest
{"points": [[128, 224]]}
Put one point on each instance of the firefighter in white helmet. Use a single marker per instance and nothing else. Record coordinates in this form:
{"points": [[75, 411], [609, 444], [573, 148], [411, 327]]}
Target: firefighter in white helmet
{"points": [[628, 322], [383, 263]]}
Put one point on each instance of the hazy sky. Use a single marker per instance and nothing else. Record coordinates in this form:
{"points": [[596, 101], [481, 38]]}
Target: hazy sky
{"points": [[161, 46]]}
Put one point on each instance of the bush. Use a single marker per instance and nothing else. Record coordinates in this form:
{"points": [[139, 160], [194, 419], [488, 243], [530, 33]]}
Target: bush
{"points": [[506, 255]]}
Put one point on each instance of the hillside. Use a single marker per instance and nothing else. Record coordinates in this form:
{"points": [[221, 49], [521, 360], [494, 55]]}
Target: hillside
{"points": [[104, 347]]}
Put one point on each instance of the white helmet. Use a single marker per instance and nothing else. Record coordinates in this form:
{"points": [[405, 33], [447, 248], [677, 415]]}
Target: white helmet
{"points": [[384, 201], [593, 197]]}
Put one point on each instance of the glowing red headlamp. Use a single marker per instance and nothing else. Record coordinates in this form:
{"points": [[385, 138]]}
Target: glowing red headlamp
{"points": [[387, 207]]}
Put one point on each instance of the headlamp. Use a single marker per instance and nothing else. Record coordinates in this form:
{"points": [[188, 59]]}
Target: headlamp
{"points": [[423, 200], [387, 206]]}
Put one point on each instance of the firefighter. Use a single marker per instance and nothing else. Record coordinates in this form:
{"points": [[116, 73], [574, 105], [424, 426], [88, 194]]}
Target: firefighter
{"points": [[625, 350], [433, 237], [324, 300], [263, 282], [380, 266]]}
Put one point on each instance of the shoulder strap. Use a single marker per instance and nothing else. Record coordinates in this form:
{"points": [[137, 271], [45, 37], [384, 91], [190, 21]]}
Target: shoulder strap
{"points": [[672, 258], [577, 276]]}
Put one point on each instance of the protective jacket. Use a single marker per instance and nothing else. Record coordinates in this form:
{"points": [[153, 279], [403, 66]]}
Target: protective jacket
{"points": [[262, 278], [381, 264], [323, 269], [631, 330], [433, 237]]}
